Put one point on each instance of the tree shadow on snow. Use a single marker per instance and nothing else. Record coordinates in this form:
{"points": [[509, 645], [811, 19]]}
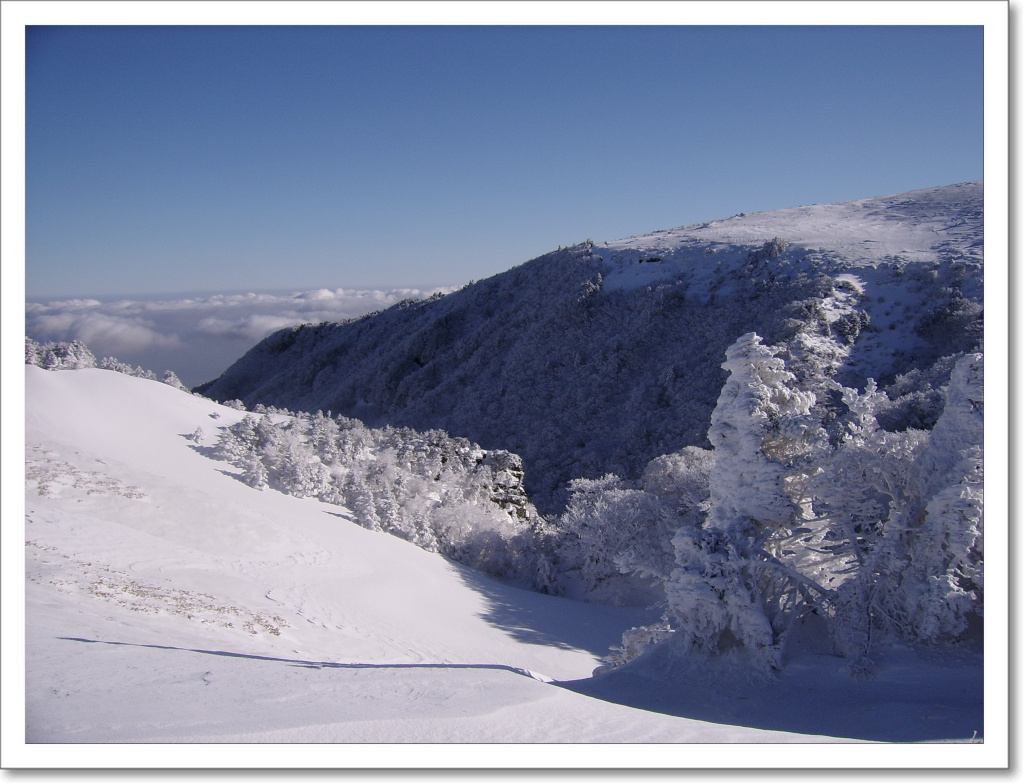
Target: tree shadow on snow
{"points": [[911, 696], [539, 619]]}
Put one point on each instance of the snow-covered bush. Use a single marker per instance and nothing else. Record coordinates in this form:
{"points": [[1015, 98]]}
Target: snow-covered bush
{"points": [[862, 485], [32, 352], [171, 379], [907, 509], [957, 323], [443, 494], [111, 363], [615, 542], [771, 249], [635, 642]]}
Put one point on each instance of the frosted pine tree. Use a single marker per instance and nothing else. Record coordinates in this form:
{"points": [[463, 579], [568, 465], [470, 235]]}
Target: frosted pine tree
{"points": [[904, 514], [59, 356], [616, 540], [324, 435], [171, 378], [943, 584], [733, 585], [33, 352], [861, 496], [254, 472]]}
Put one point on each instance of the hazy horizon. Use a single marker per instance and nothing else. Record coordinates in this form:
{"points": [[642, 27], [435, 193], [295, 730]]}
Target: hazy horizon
{"points": [[197, 337]]}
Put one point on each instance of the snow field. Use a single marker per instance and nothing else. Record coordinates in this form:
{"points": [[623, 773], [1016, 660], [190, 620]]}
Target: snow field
{"points": [[169, 602]]}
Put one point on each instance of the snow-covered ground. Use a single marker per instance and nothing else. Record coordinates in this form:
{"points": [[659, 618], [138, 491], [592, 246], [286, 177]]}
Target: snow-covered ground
{"points": [[196, 608], [168, 602], [918, 226]]}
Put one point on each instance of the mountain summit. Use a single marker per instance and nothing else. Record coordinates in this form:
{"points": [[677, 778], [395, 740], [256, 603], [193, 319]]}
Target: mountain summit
{"points": [[596, 358]]}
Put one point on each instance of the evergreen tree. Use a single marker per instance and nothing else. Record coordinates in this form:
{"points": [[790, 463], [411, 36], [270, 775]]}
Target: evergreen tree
{"points": [[943, 584], [861, 496], [735, 583]]}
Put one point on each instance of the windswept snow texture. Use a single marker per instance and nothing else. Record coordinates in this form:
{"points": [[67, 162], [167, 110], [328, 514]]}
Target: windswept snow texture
{"points": [[597, 358], [167, 601]]}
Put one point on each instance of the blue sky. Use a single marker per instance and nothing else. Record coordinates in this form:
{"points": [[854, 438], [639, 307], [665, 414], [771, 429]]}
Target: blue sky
{"points": [[199, 159]]}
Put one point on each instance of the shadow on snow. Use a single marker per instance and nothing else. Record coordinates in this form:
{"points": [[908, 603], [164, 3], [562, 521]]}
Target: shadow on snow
{"points": [[539, 619], [313, 665]]}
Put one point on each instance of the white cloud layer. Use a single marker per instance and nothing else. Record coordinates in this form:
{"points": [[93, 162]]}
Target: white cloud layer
{"points": [[197, 337]]}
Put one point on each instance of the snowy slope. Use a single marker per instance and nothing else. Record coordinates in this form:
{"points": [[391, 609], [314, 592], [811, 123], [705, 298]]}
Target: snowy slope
{"points": [[900, 256], [918, 226], [167, 601]]}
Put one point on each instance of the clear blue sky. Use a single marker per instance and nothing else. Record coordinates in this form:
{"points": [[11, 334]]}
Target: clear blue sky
{"points": [[170, 159]]}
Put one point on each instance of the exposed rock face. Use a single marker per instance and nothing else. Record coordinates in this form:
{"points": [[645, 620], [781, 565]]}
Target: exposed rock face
{"points": [[507, 488]]}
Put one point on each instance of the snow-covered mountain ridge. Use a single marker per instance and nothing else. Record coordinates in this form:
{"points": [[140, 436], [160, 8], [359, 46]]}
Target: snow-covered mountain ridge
{"points": [[928, 225], [599, 357]]}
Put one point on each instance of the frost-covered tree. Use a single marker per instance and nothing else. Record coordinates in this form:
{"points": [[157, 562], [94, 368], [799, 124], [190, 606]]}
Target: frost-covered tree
{"points": [[116, 365], [171, 379], [761, 425], [72, 355], [616, 544], [32, 352], [324, 437], [734, 583], [682, 479], [860, 495], [617, 536], [901, 516], [112, 363], [943, 584]]}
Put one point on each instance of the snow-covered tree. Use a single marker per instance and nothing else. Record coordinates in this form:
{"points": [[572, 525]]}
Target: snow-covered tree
{"points": [[617, 534], [902, 516], [112, 363], [860, 496], [761, 425], [72, 355], [171, 378], [254, 472], [734, 583], [943, 583], [613, 528], [32, 352]]}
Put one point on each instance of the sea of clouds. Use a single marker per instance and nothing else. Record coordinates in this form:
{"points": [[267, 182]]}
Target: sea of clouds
{"points": [[196, 337]]}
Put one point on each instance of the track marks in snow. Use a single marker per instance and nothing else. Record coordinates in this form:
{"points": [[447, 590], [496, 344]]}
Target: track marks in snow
{"points": [[52, 477]]}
